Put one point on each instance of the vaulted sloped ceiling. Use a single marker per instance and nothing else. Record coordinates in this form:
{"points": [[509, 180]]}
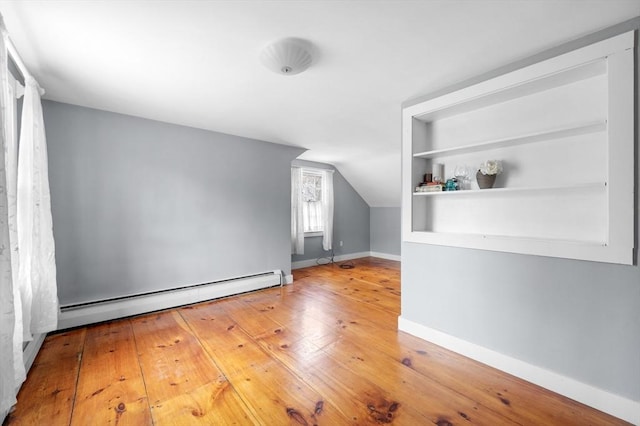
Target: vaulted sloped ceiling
{"points": [[196, 63]]}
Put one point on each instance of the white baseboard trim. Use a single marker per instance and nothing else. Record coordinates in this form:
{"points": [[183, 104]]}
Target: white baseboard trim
{"points": [[386, 256], [288, 279], [135, 305], [31, 350], [338, 258], [610, 403], [342, 257]]}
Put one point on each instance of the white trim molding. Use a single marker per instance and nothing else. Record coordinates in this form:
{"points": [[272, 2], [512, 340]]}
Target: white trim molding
{"points": [[342, 257], [31, 350], [339, 258], [602, 400], [387, 256]]}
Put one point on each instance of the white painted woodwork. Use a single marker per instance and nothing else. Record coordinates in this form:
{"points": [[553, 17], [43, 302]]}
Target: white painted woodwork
{"points": [[563, 129]]}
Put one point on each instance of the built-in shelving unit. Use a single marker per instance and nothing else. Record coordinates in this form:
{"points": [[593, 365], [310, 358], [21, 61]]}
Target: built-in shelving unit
{"points": [[563, 129]]}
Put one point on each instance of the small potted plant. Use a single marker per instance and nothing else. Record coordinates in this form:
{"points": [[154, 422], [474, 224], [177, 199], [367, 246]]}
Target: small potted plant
{"points": [[486, 175]]}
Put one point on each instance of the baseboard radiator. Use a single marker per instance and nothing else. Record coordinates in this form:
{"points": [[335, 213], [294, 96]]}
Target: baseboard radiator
{"points": [[105, 310]]}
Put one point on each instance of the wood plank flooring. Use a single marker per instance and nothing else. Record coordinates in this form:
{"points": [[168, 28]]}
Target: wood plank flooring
{"points": [[323, 351]]}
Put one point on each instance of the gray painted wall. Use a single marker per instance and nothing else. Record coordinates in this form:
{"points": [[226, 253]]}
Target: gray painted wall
{"points": [[386, 235], [579, 319], [140, 205], [350, 220]]}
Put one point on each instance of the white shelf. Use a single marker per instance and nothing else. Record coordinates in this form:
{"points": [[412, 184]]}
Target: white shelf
{"points": [[523, 238], [593, 127], [474, 192]]}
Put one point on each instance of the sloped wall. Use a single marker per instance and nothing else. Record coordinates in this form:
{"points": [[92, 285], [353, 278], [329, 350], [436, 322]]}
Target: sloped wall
{"points": [[350, 220]]}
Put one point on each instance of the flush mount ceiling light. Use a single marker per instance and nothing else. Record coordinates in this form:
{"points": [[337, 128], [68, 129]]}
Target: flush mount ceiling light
{"points": [[288, 56]]}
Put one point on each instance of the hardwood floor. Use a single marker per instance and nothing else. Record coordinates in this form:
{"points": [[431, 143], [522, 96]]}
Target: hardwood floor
{"points": [[323, 351]]}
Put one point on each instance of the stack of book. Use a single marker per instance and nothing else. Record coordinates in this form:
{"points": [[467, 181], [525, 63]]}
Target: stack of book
{"points": [[429, 187]]}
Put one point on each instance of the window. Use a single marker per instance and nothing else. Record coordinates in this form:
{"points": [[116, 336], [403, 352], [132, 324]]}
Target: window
{"points": [[311, 207], [312, 183]]}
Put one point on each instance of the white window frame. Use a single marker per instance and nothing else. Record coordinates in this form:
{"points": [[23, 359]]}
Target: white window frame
{"points": [[319, 173]]}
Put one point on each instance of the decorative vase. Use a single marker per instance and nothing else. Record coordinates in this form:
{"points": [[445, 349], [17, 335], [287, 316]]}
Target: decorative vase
{"points": [[485, 181]]}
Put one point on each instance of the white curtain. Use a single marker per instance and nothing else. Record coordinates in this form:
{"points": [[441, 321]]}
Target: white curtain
{"points": [[327, 209], [28, 290], [297, 218], [8, 382], [11, 164], [37, 273]]}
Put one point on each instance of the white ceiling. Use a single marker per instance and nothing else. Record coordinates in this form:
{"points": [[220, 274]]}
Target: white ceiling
{"points": [[196, 63]]}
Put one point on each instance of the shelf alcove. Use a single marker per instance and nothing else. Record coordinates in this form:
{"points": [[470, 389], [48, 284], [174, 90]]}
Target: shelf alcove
{"points": [[563, 129]]}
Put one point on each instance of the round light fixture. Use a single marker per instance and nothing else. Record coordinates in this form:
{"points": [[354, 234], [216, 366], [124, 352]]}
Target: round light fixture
{"points": [[288, 56]]}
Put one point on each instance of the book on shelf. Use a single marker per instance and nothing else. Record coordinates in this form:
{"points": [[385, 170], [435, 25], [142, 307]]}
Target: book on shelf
{"points": [[429, 188]]}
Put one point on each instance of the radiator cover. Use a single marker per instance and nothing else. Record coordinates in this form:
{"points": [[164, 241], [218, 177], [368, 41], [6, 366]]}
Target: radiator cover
{"points": [[105, 310]]}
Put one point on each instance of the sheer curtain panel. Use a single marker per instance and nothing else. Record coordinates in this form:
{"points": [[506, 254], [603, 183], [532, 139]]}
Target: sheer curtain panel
{"points": [[297, 216], [7, 312], [327, 209], [37, 273], [11, 163], [28, 290]]}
